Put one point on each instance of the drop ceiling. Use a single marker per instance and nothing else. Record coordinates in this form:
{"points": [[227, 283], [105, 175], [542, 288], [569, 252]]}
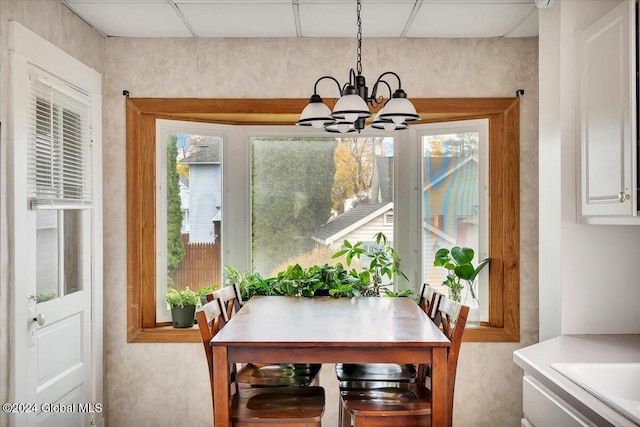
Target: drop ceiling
{"points": [[309, 18]]}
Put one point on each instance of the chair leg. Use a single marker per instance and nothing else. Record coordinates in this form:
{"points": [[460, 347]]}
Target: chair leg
{"points": [[344, 417]]}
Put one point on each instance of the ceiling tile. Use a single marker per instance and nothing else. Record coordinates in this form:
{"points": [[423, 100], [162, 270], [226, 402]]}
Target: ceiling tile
{"points": [[467, 19], [132, 19], [528, 28], [73, 2], [231, 2], [318, 18], [338, 19], [240, 19]]}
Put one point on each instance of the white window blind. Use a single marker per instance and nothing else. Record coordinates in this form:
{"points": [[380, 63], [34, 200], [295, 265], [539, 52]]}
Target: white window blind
{"points": [[59, 145]]}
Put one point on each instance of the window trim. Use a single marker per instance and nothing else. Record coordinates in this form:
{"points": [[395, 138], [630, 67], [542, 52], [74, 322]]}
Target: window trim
{"points": [[504, 206]]}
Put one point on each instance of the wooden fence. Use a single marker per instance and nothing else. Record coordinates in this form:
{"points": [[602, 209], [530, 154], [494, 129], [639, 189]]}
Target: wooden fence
{"points": [[200, 266]]}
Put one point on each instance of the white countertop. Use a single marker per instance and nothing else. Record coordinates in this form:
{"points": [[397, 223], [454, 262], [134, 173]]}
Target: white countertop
{"points": [[536, 360]]}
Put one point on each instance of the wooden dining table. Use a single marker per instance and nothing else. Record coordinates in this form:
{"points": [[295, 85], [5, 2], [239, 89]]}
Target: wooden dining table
{"points": [[275, 329]]}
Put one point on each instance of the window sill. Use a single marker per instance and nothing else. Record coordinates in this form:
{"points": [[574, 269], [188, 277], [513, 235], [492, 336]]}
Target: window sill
{"points": [[486, 333], [165, 334]]}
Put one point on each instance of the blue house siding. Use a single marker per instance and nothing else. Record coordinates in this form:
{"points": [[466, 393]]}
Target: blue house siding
{"points": [[450, 202], [453, 198]]}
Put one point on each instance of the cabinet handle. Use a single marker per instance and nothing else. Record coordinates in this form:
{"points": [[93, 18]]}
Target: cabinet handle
{"points": [[623, 197]]}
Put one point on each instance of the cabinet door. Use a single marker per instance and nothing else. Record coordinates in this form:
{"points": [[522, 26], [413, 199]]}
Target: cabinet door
{"points": [[543, 408], [607, 63]]}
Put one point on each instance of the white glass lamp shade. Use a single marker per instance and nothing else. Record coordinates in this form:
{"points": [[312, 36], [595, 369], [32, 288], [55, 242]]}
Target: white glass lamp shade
{"points": [[399, 110], [341, 126], [388, 125], [315, 114], [351, 107]]}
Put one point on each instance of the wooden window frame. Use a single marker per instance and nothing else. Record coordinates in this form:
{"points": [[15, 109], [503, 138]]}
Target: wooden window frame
{"points": [[504, 199]]}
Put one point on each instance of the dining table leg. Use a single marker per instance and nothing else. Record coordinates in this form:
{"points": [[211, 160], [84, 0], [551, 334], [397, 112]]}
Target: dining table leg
{"points": [[439, 406], [221, 390]]}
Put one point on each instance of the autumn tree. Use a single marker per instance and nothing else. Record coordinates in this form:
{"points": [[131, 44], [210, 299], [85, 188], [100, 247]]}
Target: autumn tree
{"points": [[355, 160]]}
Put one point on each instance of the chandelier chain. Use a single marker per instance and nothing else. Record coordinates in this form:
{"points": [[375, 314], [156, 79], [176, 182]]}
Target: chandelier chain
{"points": [[359, 49]]}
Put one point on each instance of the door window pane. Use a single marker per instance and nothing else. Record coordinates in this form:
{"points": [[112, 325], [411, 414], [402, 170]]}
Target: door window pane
{"points": [[58, 253], [47, 255], [72, 250]]}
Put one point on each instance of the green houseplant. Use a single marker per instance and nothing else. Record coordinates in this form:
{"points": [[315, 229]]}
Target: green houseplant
{"points": [[333, 280], [461, 272], [183, 307], [383, 262], [202, 293]]}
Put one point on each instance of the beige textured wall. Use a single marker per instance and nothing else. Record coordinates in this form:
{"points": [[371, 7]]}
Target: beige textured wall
{"points": [[56, 23], [166, 384]]}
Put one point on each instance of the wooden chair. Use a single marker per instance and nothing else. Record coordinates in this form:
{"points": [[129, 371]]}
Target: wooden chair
{"points": [[429, 300], [264, 375], [230, 300], [406, 407], [377, 375], [278, 406]]}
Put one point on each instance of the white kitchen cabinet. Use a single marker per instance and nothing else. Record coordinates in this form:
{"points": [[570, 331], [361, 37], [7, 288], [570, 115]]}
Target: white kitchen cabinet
{"points": [[543, 408], [607, 114]]}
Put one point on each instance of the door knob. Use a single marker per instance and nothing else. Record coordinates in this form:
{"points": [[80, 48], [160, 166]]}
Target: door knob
{"points": [[623, 197], [39, 319]]}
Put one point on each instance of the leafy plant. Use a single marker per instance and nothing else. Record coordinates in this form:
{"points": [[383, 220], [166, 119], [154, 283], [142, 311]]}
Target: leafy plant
{"points": [[459, 265], [42, 296], [334, 280], [205, 291], [383, 262], [250, 283], [182, 298], [402, 293]]}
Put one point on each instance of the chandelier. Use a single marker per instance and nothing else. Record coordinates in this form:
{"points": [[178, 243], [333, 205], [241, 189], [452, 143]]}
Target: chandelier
{"points": [[352, 109]]}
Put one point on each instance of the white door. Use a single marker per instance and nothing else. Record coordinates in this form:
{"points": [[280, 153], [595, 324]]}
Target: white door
{"points": [[56, 227]]}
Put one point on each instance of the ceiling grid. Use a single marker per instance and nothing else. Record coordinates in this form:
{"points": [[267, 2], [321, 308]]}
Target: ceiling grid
{"points": [[309, 18]]}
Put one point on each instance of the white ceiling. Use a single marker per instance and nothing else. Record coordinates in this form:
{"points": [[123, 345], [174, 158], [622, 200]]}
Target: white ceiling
{"points": [[309, 18]]}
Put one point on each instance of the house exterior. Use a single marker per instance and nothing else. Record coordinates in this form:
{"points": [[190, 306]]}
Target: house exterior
{"points": [[184, 203], [360, 223], [204, 200], [450, 203]]}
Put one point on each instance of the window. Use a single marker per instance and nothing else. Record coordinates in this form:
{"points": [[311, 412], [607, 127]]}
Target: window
{"points": [[503, 230], [455, 196], [188, 209], [388, 219], [59, 181], [310, 194]]}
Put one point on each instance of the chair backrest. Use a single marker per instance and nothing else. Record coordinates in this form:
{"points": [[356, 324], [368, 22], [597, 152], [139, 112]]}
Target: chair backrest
{"points": [[229, 300], [429, 300], [210, 320], [236, 290], [453, 319]]}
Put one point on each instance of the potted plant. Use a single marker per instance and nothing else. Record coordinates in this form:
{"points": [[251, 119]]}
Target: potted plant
{"points": [[383, 262], [183, 307], [202, 293], [461, 273], [332, 280]]}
